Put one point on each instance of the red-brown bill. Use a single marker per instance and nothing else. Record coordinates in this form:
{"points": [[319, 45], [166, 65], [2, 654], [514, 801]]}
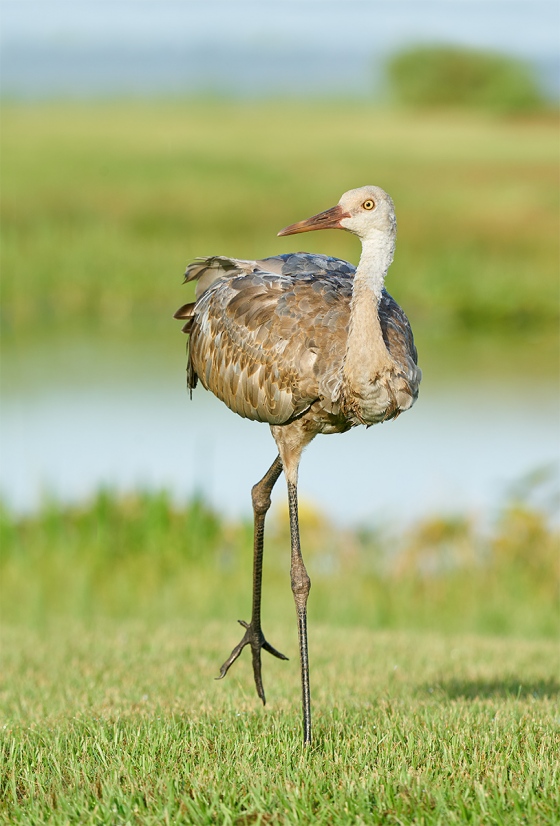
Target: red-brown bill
{"points": [[329, 219]]}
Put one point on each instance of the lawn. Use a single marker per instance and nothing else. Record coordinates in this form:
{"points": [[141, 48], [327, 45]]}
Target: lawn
{"points": [[124, 724], [434, 671]]}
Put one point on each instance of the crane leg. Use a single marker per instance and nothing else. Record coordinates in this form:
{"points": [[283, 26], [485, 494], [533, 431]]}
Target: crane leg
{"points": [[301, 585], [253, 632]]}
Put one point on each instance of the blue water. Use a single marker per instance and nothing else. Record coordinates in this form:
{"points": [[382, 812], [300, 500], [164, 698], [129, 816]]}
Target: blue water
{"points": [[143, 47], [82, 412]]}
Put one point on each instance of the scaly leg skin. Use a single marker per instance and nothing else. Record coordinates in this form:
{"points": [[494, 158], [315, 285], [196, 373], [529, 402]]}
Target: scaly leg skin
{"points": [[253, 634], [301, 585]]}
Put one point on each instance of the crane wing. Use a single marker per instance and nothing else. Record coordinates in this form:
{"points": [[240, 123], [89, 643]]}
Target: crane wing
{"points": [[397, 334], [268, 337]]}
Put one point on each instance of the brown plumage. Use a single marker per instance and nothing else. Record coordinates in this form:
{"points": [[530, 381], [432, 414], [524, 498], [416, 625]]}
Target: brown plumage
{"points": [[308, 344]]}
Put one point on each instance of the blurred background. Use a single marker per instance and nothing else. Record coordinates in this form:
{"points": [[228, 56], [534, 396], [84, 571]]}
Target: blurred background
{"points": [[139, 134]]}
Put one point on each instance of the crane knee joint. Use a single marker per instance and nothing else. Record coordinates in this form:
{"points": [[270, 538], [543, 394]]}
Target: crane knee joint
{"points": [[260, 497], [301, 585]]}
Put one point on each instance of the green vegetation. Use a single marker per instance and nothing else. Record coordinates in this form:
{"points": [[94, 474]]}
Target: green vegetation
{"points": [[103, 205], [143, 557], [116, 616], [432, 76], [126, 726]]}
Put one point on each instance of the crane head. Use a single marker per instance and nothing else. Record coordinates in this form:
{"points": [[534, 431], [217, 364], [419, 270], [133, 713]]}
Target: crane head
{"points": [[363, 211]]}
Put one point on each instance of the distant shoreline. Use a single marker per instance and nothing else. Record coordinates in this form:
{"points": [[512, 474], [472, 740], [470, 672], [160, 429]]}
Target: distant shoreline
{"points": [[42, 71]]}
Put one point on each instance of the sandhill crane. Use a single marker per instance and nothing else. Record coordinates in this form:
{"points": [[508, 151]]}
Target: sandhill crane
{"points": [[309, 344]]}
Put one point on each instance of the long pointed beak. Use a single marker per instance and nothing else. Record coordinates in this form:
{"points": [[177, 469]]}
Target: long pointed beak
{"points": [[329, 219]]}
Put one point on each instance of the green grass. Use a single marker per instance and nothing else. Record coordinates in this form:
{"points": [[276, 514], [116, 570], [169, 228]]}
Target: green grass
{"points": [[104, 204], [125, 725], [434, 671]]}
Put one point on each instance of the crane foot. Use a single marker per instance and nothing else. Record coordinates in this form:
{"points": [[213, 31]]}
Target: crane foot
{"points": [[254, 637]]}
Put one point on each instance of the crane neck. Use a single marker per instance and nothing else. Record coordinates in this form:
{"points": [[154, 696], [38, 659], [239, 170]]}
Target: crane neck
{"points": [[366, 355], [378, 249]]}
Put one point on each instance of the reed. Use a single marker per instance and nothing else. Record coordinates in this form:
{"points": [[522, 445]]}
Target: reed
{"points": [[144, 556]]}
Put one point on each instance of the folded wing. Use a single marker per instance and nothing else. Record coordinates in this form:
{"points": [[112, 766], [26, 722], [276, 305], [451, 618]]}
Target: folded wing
{"points": [[268, 337]]}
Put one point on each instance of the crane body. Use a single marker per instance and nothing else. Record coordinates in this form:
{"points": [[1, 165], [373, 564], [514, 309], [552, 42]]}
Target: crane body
{"points": [[308, 344]]}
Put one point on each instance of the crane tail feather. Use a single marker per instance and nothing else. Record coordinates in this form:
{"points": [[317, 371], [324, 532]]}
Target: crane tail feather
{"points": [[186, 311], [205, 271]]}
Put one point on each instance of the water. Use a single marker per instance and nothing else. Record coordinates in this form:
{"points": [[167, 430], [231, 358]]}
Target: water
{"points": [[85, 411], [91, 47]]}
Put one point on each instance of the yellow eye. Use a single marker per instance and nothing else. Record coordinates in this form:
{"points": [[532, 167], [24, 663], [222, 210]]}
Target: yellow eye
{"points": [[369, 204]]}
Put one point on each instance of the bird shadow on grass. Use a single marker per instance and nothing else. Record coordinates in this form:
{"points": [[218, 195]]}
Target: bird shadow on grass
{"points": [[509, 688]]}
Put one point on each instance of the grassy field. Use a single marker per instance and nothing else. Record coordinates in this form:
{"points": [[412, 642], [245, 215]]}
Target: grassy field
{"points": [[103, 205], [124, 725], [434, 671]]}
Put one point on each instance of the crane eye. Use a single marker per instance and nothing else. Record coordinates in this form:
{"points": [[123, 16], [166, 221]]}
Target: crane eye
{"points": [[369, 204]]}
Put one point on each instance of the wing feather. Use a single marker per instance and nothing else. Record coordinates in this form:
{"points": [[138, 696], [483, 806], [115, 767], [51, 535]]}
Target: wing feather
{"points": [[254, 330], [268, 337]]}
